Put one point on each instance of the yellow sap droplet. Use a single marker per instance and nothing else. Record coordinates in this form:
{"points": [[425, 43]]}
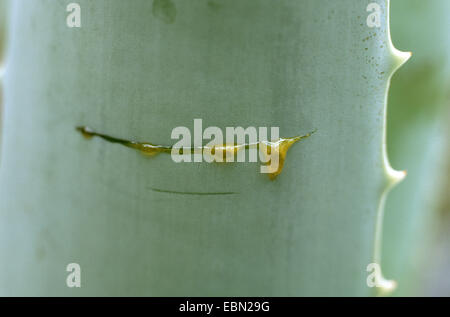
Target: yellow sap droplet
{"points": [[86, 132], [150, 149], [224, 152], [279, 148]]}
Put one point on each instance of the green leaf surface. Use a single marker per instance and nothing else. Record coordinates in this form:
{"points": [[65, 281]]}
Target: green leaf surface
{"points": [[136, 70]]}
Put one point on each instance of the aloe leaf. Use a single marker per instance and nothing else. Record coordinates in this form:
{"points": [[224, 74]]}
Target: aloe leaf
{"points": [[136, 70]]}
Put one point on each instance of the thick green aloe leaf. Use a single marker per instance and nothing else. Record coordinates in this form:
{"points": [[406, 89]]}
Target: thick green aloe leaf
{"points": [[136, 70], [417, 120]]}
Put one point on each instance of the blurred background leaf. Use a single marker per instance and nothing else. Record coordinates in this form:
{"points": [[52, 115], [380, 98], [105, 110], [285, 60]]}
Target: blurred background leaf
{"points": [[414, 247]]}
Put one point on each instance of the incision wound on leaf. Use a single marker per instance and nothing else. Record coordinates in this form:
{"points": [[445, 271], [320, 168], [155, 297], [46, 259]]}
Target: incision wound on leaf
{"points": [[267, 148]]}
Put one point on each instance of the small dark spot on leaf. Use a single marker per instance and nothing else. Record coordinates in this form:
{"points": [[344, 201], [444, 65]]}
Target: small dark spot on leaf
{"points": [[164, 10], [214, 5]]}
